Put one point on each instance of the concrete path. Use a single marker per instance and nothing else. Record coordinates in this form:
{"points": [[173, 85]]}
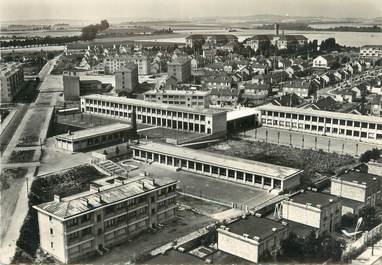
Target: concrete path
{"points": [[369, 258]]}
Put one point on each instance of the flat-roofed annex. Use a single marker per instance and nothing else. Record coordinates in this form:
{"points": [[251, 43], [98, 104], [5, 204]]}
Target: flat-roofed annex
{"points": [[240, 164]]}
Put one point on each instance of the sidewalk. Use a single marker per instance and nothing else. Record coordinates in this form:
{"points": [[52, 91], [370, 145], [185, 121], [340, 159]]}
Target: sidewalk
{"points": [[366, 258]]}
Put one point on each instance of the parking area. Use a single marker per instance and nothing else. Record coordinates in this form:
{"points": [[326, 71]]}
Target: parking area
{"points": [[308, 141]]}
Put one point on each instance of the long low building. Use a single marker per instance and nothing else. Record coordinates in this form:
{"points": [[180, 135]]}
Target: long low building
{"points": [[93, 137], [343, 125], [248, 172], [111, 212], [206, 121], [186, 98]]}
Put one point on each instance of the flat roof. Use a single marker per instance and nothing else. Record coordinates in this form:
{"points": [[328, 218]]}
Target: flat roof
{"points": [[255, 226], [241, 113], [314, 198], [178, 92], [359, 177], [149, 104], [92, 132], [92, 199], [322, 113], [246, 165]]}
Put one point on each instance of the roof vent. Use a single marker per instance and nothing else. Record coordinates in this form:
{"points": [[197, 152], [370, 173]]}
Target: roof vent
{"points": [[308, 204], [330, 200], [274, 229], [245, 235], [257, 214], [256, 238], [284, 223], [314, 189], [374, 178], [57, 198], [318, 205]]}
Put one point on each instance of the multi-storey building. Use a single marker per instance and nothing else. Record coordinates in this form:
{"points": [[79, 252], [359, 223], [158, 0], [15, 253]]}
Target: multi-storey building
{"points": [[357, 189], [210, 121], [11, 81], [217, 82], [371, 51], [111, 212], [71, 83], [116, 62], [251, 237], [214, 40], [180, 68], [248, 172], [186, 98], [126, 79], [317, 210], [343, 125], [281, 41], [302, 88], [225, 97]]}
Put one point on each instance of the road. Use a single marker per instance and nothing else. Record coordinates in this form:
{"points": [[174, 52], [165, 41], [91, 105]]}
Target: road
{"points": [[308, 141], [13, 216]]}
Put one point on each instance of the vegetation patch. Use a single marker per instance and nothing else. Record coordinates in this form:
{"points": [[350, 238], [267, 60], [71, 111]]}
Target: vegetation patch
{"points": [[23, 156], [7, 176]]}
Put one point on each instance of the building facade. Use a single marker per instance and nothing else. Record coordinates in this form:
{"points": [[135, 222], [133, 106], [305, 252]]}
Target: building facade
{"points": [[343, 125], [126, 79], [180, 68], [11, 81], [355, 186], [111, 212], [318, 210], [250, 238], [206, 121], [186, 98], [252, 173], [371, 51], [93, 137], [71, 87], [117, 62]]}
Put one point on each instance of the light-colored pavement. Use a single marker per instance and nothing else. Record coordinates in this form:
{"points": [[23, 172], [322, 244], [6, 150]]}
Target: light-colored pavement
{"points": [[13, 216], [308, 141], [370, 256]]}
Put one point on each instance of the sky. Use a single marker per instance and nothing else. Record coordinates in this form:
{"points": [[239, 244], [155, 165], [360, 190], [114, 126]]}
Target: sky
{"points": [[99, 9]]}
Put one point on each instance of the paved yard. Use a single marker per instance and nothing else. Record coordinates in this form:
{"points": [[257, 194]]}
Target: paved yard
{"points": [[208, 187]]}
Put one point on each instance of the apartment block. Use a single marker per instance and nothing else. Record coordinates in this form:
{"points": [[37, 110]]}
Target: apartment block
{"points": [[180, 68], [11, 81], [186, 98], [112, 211], [126, 79], [71, 84]]}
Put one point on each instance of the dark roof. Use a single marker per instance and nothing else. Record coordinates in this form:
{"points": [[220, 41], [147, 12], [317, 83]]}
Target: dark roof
{"points": [[352, 176], [351, 203], [327, 103], [299, 229], [225, 92], [255, 227], [257, 86], [314, 198]]}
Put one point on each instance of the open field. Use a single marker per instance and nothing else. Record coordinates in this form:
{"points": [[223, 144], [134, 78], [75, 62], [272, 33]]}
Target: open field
{"points": [[34, 124], [203, 207], [160, 133]]}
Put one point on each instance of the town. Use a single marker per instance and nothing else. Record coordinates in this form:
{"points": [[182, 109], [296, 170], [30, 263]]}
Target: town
{"points": [[211, 149]]}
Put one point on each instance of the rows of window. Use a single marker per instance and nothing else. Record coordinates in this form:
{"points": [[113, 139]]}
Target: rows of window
{"points": [[183, 115], [208, 169], [323, 129], [334, 121]]}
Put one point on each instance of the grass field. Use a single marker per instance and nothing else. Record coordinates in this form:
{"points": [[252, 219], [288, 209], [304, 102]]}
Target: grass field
{"points": [[309, 160]]}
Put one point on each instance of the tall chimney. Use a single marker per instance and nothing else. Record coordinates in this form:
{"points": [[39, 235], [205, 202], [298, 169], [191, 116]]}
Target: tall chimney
{"points": [[277, 27]]}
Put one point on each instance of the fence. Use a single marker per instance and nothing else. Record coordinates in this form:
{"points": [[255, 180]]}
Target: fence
{"points": [[205, 197], [361, 242]]}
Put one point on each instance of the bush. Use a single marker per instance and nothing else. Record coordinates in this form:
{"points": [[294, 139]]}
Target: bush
{"points": [[373, 154]]}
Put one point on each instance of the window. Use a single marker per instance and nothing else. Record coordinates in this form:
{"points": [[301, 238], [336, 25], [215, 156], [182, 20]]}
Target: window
{"points": [[51, 244], [51, 231], [50, 218]]}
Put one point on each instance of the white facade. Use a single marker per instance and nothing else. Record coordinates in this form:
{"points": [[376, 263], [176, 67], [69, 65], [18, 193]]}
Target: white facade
{"points": [[11, 80], [186, 98], [374, 51], [343, 125]]}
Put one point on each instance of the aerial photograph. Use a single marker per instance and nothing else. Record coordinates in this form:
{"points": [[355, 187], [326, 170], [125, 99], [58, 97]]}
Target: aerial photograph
{"points": [[191, 132]]}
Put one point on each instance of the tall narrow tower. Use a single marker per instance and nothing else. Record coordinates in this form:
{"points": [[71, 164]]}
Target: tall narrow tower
{"points": [[277, 27]]}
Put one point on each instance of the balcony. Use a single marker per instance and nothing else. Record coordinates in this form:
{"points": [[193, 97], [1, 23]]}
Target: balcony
{"points": [[71, 242], [78, 226]]}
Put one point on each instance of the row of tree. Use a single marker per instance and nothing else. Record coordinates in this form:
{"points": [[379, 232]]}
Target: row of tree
{"points": [[88, 33]]}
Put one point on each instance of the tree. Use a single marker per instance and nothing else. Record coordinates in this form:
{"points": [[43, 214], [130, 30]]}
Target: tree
{"points": [[369, 155], [369, 218], [104, 25], [117, 150]]}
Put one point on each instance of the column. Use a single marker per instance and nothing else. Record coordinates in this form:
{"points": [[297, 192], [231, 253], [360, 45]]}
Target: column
{"points": [[272, 183]]}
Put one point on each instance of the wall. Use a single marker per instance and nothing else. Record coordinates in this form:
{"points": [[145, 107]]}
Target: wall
{"points": [[58, 250], [238, 246], [348, 190], [302, 214]]}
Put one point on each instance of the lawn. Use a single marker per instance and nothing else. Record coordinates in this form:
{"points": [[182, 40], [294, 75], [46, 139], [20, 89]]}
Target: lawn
{"points": [[202, 207], [63, 183], [309, 160], [23, 156], [10, 175]]}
